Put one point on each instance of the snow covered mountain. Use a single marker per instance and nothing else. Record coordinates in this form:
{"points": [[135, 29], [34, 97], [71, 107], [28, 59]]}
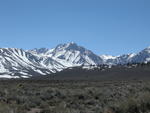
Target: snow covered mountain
{"points": [[16, 63], [70, 55], [123, 59], [141, 57]]}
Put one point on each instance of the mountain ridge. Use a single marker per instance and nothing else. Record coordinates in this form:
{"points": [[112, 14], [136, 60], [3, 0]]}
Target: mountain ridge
{"points": [[16, 63]]}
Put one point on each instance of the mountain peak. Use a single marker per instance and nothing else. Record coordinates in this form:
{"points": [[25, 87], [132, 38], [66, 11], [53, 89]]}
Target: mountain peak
{"points": [[71, 43], [39, 51], [147, 50], [68, 46], [73, 54]]}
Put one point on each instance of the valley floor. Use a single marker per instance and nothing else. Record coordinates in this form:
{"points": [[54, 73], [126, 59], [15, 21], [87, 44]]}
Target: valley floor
{"points": [[60, 96]]}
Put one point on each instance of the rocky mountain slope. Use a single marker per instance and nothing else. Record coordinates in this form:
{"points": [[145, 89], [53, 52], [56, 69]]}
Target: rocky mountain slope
{"points": [[16, 63]]}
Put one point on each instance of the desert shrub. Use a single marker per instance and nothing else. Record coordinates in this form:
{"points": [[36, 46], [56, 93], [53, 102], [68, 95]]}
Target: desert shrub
{"points": [[4, 108], [75, 97], [137, 104]]}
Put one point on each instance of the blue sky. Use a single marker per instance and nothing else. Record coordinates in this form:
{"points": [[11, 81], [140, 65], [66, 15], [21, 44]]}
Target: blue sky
{"points": [[103, 26]]}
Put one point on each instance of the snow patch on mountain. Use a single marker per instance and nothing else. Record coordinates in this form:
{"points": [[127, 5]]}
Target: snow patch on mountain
{"points": [[106, 57]]}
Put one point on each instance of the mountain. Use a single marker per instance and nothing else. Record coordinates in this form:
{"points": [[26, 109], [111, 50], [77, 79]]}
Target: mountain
{"points": [[140, 57], [70, 55], [16, 63], [123, 59]]}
